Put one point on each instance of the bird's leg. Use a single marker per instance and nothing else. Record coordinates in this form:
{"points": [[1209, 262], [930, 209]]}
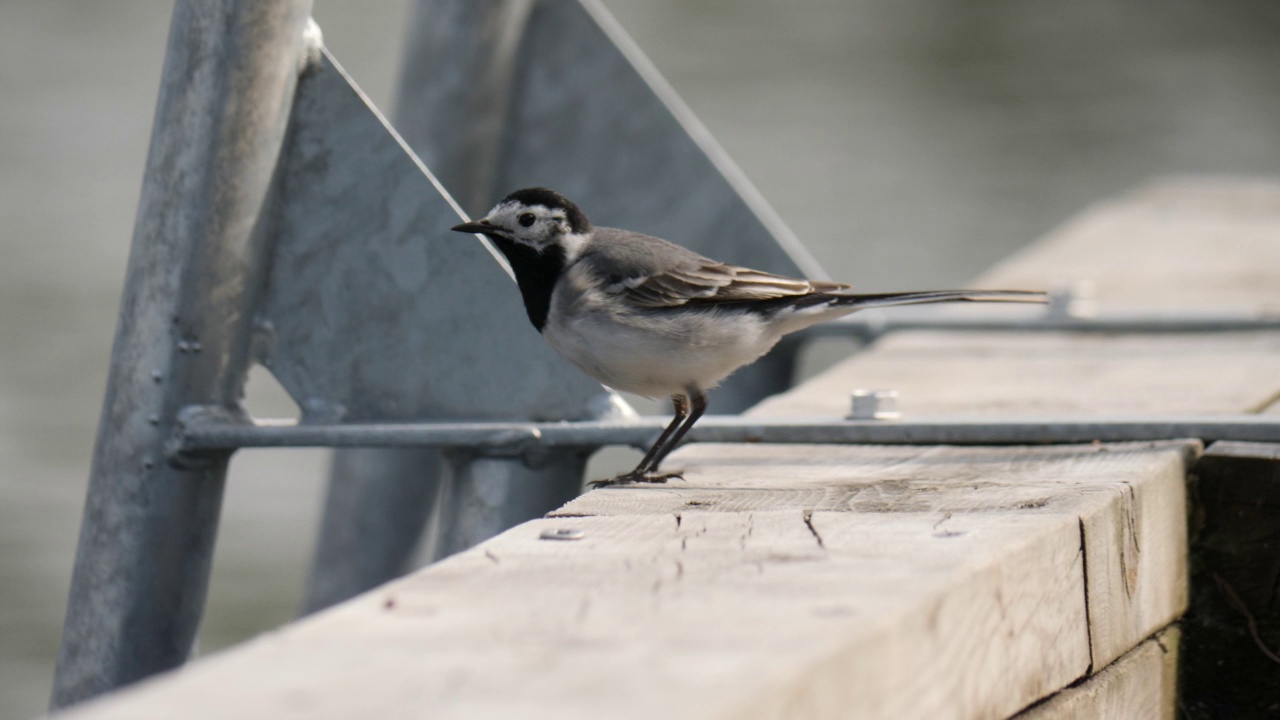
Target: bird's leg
{"points": [[697, 406], [688, 410], [642, 472], [680, 404]]}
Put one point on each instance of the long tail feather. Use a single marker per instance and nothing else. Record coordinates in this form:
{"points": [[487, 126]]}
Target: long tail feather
{"points": [[939, 296]]}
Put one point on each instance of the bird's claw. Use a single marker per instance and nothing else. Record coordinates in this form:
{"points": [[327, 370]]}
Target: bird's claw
{"points": [[636, 477]]}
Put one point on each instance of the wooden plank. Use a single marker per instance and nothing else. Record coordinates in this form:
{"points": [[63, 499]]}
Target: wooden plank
{"points": [[1141, 685], [1180, 243], [1003, 374], [1130, 501], [1184, 244], [782, 613]]}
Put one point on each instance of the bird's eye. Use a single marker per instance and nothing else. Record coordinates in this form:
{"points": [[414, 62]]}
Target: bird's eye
{"points": [[526, 219]]}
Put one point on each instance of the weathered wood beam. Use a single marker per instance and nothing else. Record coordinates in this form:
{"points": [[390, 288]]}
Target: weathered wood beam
{"points": [[1127, 499], [1141, 685]]}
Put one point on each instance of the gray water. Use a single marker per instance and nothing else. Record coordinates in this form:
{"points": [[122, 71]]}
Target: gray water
{"points": [[908, 142]]}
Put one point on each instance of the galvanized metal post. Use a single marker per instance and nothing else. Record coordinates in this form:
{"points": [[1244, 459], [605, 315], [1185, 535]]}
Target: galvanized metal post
{"points": [[488, 495], [456, 83], [469, 103], [195, 267], [379, 501]]}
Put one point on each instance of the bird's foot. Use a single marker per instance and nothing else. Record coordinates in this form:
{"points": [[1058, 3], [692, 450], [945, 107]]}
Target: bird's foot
{"points": [[636, 477]]}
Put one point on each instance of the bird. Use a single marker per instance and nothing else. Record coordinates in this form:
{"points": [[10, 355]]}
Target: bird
{"points": [[644, 315]]}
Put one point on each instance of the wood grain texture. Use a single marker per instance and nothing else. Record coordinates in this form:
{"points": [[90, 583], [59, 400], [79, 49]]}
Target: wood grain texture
{"points": [[1184, 244], [786, 614], [1141, 685], [1129, 498]]}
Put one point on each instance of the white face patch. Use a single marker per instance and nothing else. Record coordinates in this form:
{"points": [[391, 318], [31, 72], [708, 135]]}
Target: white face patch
{"points": [[537, 226]]}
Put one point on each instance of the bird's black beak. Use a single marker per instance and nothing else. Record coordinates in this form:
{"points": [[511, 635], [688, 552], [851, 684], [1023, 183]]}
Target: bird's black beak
{"points": [[481, 226]]}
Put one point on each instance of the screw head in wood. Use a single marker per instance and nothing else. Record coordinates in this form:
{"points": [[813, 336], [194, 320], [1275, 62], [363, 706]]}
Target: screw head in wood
{"points": [[1072, 301], [874, 405]]}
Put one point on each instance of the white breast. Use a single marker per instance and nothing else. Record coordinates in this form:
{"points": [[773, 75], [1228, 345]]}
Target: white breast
{"points": [[654, 354]]}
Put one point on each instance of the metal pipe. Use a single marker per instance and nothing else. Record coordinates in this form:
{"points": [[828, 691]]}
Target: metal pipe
{"points": [[518, 438], [451, 108], [871, 325], [142, 567]]}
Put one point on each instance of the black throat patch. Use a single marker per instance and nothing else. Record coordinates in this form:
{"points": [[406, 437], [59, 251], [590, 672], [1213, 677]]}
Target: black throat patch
{"points": [[536, 274]]}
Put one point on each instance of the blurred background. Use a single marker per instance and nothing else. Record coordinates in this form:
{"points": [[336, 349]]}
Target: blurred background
{"points": [[907, 142]]}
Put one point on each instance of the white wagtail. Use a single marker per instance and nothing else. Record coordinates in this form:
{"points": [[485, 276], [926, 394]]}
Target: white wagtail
{"points": [[643, 315]]}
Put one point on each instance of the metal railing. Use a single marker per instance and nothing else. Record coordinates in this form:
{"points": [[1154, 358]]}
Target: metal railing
{"points": [[201, 433], [867, 326]]}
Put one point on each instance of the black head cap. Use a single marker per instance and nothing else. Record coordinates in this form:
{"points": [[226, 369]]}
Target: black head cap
{"points": [[553, 200]]}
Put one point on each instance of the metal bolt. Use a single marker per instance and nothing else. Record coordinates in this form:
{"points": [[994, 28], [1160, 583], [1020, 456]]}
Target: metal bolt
{"points": [[562, 534], [1075, 300], [875, 405], [157, 375]]}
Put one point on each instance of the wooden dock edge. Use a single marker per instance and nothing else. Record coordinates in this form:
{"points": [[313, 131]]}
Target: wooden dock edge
{"points": [[1141, 685], [827, 582]]}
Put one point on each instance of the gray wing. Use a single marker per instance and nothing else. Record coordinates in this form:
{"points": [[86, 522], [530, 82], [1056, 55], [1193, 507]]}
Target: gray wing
{"points": [[652, 273]]}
